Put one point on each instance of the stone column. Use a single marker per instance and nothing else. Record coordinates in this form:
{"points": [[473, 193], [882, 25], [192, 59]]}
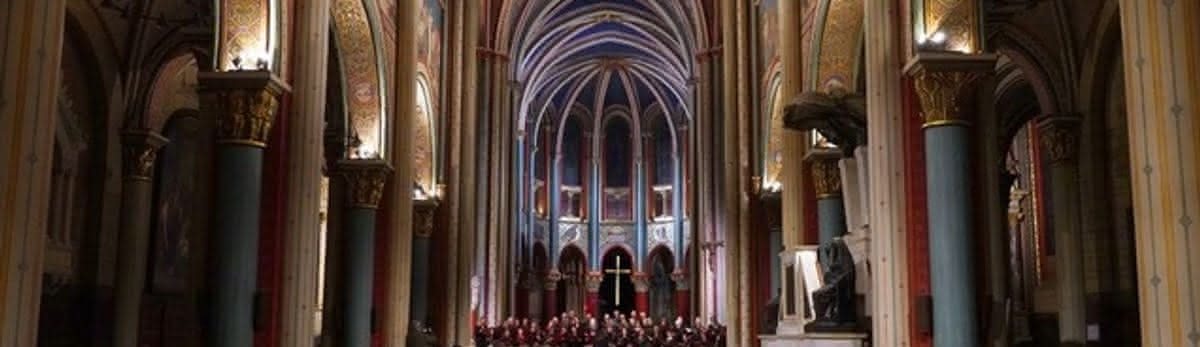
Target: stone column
{"points": [[402, 228], [682, 295], [1162, 99], [792, 176], [141, 149], [887, 201], [594, 278], [29, 82], [244, 103], [550, 295], [1060, 141], [641, 292], [940, 79], [422, 240], [827, 181], [133, 242], [365, 180], [305, 159]]}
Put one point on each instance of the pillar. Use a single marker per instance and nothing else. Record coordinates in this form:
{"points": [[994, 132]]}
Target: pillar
{"points": [[550, 295], [594, 278], [244, 104], [140, 148], [827, 181], [305, 158], [1162, 88], [365, 180], [29, 83], [402, 229], [641, 292], [682, 295], [887, 200], [791, 83], [422, 241], [1060, 141], [940, 79]]}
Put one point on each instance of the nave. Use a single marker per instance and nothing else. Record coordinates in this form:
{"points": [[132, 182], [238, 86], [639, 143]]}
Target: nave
{"points": [[298, 173]]}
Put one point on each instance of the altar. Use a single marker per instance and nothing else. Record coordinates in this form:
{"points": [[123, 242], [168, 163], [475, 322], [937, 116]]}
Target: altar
{"points": [[815, 340]]}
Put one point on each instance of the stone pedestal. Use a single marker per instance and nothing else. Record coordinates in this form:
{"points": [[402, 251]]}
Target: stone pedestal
{"points": [[815, 340]]}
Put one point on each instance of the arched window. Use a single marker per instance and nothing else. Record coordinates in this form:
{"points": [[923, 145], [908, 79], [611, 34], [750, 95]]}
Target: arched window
{"points": [[617, 166]]}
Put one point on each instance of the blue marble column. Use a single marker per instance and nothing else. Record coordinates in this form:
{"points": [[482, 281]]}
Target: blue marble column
{"points": [[940, 79], [639, 210], [552, 224], [594, 197], [365, 180], [827, 181], [244, 104], [677, 206], [422, 239]]}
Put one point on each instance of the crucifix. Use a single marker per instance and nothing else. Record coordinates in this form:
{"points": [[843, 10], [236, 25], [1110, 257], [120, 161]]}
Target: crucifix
{"points": [[616, 271]]}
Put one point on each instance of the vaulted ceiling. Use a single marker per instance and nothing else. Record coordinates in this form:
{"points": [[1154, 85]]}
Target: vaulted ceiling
{"points": [[593, 55]]}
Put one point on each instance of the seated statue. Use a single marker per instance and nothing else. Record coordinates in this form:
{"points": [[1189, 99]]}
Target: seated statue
{"points": [[834, 301]]}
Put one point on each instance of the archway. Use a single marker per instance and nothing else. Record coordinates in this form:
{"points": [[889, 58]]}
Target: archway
{"points": [[662, 288], [616, 290], [572, 291]]}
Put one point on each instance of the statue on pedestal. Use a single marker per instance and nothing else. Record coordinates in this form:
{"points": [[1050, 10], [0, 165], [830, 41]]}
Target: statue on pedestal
{"points": [[834, 301]]}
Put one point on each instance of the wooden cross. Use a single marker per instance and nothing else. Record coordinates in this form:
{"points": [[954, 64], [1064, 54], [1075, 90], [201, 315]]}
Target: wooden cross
{"points": [[617, 272]]}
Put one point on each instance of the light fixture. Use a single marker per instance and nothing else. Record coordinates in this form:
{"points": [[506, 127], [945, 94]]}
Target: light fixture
{"points": [[938, 37]]}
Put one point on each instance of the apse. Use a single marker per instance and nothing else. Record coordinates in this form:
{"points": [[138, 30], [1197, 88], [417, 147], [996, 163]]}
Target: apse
{"points": [[606, 98]]}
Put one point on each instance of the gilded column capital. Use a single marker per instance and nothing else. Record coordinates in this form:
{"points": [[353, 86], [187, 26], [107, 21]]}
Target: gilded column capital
{"points": [[941, 79], [594, 278], [826, 175], [365, 180], [1059, 137], [244, 104], [139, 150], [423, 215]]}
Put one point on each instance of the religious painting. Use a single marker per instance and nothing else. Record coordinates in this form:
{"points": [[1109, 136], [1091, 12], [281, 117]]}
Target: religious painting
{"points": [[177, 200]]}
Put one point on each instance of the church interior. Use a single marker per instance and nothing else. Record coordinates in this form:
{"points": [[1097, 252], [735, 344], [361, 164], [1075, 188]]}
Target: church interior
{"points": [[758, 173]]}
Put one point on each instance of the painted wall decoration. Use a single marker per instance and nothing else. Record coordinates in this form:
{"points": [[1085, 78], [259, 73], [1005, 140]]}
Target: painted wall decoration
{"points": [[362, 78], [840, 46], [768, 34], [424, 144], [174, 88]]}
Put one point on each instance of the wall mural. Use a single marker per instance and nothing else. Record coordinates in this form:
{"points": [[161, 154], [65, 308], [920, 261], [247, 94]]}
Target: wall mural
{"points": [[362, 78], [429, 71], [841, 44]]}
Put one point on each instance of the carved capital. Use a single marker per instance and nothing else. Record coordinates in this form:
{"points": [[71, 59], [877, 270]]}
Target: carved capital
{"points": [[941, 79], [680, 279], [139, 150], [1059, 137], [551, 282], [594, 278], [641, 282], [365, 180], [826, 176], [244, 104], [423, 213]]}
